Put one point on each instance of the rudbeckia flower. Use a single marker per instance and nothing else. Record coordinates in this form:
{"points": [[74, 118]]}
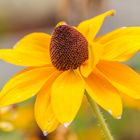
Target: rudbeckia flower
{"points": [[61, 66]]}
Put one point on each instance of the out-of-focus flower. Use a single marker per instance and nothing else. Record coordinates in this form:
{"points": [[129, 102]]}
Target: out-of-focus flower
{"points": [[12, 117], [63, 65], [6, 124], [21, 122]]}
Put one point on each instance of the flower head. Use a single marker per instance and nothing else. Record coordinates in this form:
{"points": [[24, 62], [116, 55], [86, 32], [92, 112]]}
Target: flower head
{"points": [[68, 48], [63, 65]]}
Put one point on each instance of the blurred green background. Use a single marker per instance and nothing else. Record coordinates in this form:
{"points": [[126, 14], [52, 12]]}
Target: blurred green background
{"points": [[20, 17]]}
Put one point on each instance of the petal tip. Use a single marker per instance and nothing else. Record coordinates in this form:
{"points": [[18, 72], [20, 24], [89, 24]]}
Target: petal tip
{"points": [[115, 116], [110, 111], [67, 124], [45, 133], [112, 12], [119, 117]]}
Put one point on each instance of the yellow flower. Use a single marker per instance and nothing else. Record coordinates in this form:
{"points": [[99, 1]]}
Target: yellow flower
{"points": [[62, 66], [12, 118]]}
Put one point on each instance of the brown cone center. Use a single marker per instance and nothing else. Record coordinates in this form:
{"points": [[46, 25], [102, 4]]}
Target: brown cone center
{"points": [[68, 48]]}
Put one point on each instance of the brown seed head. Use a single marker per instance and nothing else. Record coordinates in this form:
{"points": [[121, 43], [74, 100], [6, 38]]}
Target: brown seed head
{"points": [[68, 48]]}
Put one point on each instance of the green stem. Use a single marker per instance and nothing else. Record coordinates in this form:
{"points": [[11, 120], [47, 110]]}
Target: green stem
{"points": [[99, 116]]}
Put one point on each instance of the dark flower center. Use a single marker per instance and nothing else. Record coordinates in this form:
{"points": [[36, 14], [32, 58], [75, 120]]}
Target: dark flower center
{"points": [[68, 48]]}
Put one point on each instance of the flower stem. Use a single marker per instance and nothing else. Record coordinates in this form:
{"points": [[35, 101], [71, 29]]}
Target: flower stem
{"points": [[99, 116]]}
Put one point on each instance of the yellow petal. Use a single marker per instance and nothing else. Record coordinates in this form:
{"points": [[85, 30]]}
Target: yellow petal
{"points": [[120, 44], [24, 85], [123, 31], [32, 50], [95, 52], [44, 114], [130, 102], [122, 77], [90, 28], [121, 49], [104, 93], [67, 94]]}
